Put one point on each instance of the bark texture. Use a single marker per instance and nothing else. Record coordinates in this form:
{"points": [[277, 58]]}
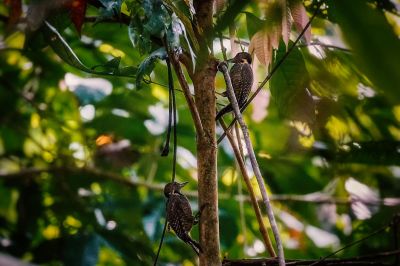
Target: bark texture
{"points": [[204, 80], [206, 164]]}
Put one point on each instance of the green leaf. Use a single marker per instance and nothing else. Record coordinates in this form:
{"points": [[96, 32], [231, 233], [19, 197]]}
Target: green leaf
{"points": [[61, 47], [234, 8], [110, 66], [376, 46], [147, 66], [138, 37], [65, 52], [157, 18], [174, 31], [289, 87], [188, 26], [110, 9], [254, 24]]}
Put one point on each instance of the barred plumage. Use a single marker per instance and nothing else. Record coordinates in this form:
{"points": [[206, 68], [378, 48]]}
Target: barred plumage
{"points": [[179, 214], [241, 75]]}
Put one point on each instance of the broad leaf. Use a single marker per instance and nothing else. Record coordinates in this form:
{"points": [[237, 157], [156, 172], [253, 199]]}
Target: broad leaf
{"points": [[254, 24], [188, 25], [147, 66], [157, 18], [300, 18], [65, 52], [289, 87], [110, 9], [233, 10], [377, 47]]}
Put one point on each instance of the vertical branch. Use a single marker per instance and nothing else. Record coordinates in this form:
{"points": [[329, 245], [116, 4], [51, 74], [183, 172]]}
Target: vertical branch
{"points": [[186, 91], [204, 79], [231, 95]]}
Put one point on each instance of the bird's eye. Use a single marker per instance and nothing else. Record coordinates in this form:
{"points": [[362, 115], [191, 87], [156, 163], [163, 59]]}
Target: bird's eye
{"points": [[244, 60]]}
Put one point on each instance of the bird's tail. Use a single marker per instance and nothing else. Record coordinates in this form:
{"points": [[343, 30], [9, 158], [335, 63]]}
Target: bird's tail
{"points": [[223, 111], [195, 245]]}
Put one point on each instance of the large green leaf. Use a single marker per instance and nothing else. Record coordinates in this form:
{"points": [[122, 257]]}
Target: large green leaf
{"points": [[147, 66], [289, 87], [188, 25], [254, 24], [233, 10], [376, 46], [65, 52], [110, 9], [157, 18]]}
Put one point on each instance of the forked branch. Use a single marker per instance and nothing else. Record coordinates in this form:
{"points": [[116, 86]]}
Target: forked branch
{"points": [[231, 95], [253, 198]]}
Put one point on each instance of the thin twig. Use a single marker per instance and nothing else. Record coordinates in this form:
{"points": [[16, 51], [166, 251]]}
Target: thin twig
{"points": [[172, 107], [351, 244], [253, 198], [315, 43], [373, 259], [273, 70], [329, 46], [231, 95], [130, 182]]}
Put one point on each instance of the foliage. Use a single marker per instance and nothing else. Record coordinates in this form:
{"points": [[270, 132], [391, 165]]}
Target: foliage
{"points": [[80, 168]]}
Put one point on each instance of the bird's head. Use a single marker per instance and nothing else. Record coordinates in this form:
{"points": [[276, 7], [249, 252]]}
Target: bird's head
{"points": [[242, 57], [173, 187]]}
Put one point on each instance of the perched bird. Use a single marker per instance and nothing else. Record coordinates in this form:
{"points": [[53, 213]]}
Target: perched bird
{"points": [[241, 75], [179, 214]]}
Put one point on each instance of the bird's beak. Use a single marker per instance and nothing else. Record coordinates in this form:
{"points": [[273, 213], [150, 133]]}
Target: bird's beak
{"points": [[183, 184]]}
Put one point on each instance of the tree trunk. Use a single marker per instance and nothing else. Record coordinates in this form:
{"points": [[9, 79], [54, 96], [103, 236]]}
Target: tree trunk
{"points": [[206, 163], [203, 80]]}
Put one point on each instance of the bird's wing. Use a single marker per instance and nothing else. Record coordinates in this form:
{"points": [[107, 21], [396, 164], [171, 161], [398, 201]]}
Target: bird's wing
{"points": [[247, 73], [236, 77], [179, 213]]}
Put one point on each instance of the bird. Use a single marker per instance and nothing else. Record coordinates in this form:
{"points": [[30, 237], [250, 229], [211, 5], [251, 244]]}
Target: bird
{"points": [[179, 214], [241, 75]]}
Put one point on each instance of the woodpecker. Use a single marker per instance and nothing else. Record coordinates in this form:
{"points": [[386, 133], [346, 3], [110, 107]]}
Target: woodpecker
{"points": [[179, 214], [241, 75]]}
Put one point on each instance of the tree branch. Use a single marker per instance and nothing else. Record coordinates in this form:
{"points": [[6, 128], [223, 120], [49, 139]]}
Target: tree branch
{"points": [[374, 259], [186, 91], [253, 198], [231, 95], [316, 198]]}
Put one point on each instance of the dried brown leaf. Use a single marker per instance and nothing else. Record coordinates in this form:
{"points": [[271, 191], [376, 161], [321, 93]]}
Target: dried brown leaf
{"points": [[286, 21], [260, 45], [218, 6], [232, 37], [300, 18], [275, 36]]}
